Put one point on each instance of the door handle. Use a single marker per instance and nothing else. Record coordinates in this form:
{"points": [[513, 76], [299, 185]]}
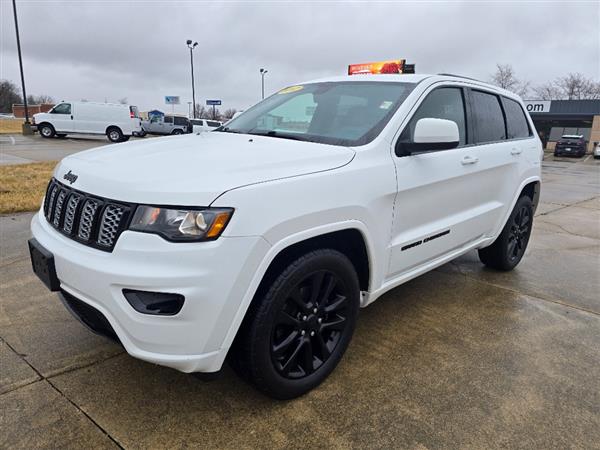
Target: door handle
{"points": [[516, 151], [469, 160]]}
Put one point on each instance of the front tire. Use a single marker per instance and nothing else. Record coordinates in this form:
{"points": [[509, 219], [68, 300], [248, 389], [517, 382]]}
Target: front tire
{"points": [[46, 130], [508, 249], [300, 326]]}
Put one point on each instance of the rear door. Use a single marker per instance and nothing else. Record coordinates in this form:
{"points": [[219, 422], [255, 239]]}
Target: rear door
{"points": [[445, 198], [499, 156], [168, 125]]}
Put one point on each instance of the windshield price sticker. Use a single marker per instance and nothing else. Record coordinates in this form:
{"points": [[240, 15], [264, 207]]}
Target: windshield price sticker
{"points": [[289, 90]]}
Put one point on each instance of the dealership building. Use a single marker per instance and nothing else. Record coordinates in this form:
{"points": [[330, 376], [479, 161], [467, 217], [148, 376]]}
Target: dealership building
{"points": [[555, 118]]}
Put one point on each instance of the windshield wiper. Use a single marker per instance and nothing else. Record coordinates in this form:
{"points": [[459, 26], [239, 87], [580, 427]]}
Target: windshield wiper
{"points": [[276, 134], [227, 130]]}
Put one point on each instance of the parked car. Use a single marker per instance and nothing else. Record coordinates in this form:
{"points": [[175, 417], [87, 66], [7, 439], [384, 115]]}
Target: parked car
{"points": [[597, 151], [167, 124], [262, 240], [201, 125], [118, 122], [570, 145]]}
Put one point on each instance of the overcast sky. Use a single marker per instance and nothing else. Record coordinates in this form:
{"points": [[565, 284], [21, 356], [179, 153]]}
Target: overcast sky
{"points": [[109, 49]]}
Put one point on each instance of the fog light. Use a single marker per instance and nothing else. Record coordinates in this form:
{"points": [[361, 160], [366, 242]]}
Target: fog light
{"points": [[154, 303]]}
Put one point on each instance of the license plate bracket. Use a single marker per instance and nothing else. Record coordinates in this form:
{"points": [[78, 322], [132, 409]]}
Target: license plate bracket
{"points": [[42, 262]]}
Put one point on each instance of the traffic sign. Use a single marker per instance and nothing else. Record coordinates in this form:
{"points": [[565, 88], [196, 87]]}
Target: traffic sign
{"points": [[213, 102]]}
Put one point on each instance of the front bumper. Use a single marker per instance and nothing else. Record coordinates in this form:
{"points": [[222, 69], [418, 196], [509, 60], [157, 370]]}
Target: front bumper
{"points": [[213, 277]]}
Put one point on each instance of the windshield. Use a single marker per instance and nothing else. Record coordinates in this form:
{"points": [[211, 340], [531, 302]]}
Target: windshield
{"points": [[340, 113]]}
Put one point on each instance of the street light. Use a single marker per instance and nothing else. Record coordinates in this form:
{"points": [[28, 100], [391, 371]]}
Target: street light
{"points": [[192, 47], [26, 125], [262, 75]]}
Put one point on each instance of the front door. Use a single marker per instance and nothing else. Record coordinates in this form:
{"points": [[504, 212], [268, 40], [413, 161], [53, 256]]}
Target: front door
{"points": [[443, 200], [62, 118]]}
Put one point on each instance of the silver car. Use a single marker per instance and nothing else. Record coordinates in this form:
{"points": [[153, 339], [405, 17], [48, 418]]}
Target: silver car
{"points": [[167, 124]]}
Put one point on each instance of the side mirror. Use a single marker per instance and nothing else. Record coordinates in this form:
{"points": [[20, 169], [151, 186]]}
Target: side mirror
{"points": [[430, 135]]}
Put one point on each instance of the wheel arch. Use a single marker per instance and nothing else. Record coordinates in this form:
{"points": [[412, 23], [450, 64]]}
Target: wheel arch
{"points": [[110, 127], [350, 238], [532, 190]]}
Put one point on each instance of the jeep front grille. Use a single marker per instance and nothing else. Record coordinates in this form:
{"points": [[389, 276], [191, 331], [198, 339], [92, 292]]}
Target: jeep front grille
{"points": [[93, 221]]}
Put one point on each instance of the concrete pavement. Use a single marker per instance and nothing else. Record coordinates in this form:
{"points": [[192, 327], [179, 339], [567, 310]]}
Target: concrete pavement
{"points": [[460, 357]]}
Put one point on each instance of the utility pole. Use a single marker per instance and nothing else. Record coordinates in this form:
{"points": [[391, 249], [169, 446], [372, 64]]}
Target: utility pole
{"points": [[27, 124], [262, 75], [192, 47]]}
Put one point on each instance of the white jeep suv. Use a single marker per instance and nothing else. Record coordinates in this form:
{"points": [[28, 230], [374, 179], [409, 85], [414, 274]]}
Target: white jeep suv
{"points": [[260, 241]]}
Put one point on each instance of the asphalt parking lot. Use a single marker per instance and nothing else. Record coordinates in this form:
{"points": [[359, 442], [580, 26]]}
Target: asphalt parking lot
{"points": [[460, 357], [19, 149]]}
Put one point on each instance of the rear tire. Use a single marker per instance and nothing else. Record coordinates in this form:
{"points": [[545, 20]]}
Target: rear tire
{"points": [[299, 327], [125, 138], [46, 130], [114, 134], [177, 132], [508, 249]]}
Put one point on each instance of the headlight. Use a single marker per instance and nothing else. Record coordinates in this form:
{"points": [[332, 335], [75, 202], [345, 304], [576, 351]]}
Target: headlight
{"points": [[181, 225]]}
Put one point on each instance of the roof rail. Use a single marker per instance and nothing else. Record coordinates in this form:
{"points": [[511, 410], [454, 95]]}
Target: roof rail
{"points": [[461, 76]]}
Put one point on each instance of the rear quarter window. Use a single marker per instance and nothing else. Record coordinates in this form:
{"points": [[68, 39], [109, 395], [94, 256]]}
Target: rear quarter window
{"points": [[516, 121], [180, 121], [489, 119]]}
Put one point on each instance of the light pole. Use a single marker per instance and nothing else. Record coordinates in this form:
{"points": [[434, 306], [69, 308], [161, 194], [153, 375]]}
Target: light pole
{"points": [[262, 75], [192, 47], [190, 110], [26, 125]]}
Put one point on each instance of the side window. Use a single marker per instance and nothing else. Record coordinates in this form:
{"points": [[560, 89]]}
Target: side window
{"points": [[180, 121], [63, 108], [516, 122], [489, 119], [213, 124], [168, 119], [442, 103]]}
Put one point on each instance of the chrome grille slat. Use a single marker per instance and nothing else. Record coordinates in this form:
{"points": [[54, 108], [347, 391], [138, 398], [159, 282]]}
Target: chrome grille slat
{"points": [[58, 209], [86, 222], [88, 219], [50, 204], [72, 204], [109, 224]]}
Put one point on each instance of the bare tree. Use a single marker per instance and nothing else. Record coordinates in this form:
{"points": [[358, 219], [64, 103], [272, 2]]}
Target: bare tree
{"points": [[228, 114], [201, 111], [506, 78], [39, 99], [575, 86], [547, 91], [9, 95]]}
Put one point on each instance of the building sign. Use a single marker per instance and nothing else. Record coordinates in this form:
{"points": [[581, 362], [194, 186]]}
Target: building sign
{"points": [[538, 106], [171, 99], [213, 102]]}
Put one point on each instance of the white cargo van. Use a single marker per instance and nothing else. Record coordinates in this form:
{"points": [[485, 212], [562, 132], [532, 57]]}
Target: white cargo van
{"points": [[118, 122]]}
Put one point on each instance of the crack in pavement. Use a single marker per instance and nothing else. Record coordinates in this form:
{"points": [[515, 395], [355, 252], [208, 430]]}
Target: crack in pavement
{"points": [[48, 380]]}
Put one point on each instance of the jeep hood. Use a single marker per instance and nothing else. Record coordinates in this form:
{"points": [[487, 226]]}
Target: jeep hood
{"points": [[193, 170]]}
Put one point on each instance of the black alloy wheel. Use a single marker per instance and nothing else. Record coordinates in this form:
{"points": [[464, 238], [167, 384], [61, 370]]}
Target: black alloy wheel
{"points": [[519, 233], [310, 325], [299, 324], [509, 247]]}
